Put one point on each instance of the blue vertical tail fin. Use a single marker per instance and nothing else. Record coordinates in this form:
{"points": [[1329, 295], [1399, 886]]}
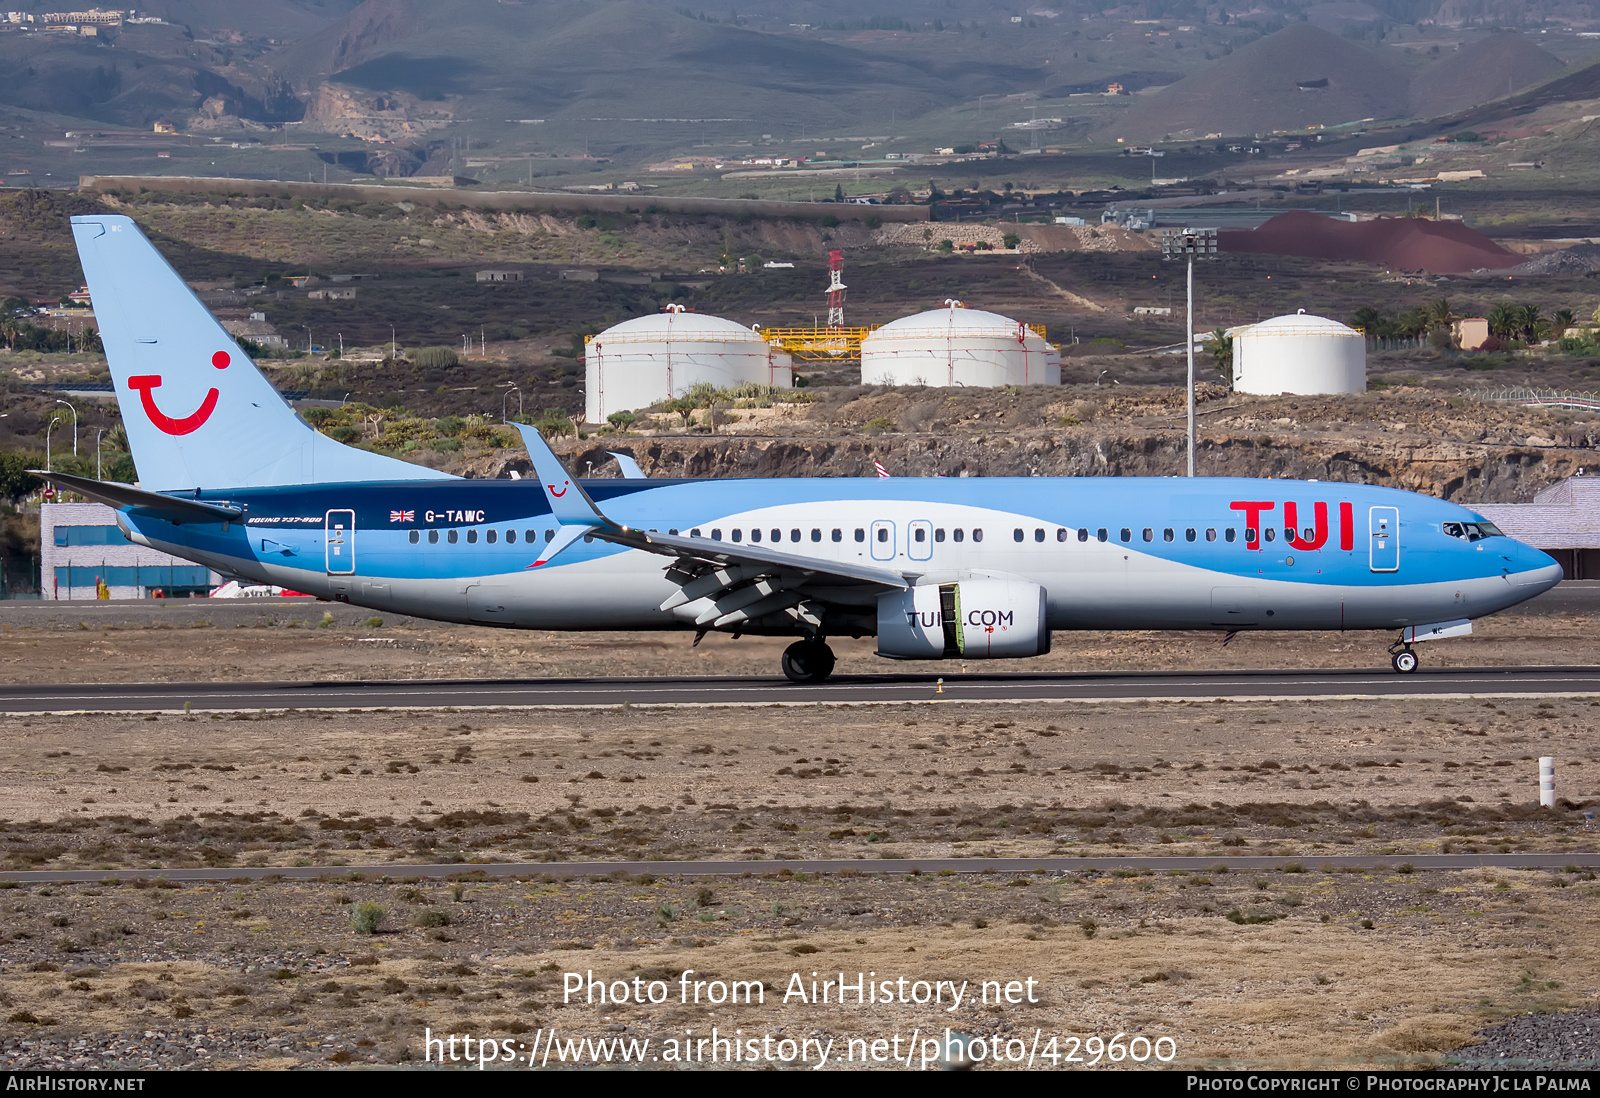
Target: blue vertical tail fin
{"points": [[198, 412]]}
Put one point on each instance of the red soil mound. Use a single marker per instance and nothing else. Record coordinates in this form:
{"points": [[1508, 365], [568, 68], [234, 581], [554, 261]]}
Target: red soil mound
{"points": [[1399, 243]]}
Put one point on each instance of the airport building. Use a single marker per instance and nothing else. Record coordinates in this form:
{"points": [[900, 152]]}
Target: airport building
{"points": [[80, 547]]}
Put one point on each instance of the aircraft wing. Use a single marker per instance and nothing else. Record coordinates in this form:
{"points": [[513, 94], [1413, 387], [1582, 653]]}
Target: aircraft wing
{"points": [[173, 509], [735, 586], [723, 585], [707, 551]]}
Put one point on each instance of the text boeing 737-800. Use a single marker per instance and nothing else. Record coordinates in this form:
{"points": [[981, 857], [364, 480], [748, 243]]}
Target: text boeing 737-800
{"points": [[935, 568]]}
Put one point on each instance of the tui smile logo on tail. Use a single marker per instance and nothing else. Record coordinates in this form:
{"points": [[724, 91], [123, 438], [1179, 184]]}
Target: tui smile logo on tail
{"points": [[145, 384]]}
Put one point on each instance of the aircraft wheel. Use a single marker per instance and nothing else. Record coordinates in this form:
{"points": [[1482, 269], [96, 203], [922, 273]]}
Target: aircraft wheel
{"points": [[1405, 661], [808, 661]]}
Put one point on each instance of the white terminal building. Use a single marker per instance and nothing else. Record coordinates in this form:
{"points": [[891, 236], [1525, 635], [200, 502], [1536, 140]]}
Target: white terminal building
{"points": [[80, 546], [958, 346], [1299, 355], [662, 356]]}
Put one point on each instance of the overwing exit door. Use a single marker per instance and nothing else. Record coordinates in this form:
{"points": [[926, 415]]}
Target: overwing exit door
{"points": [[1383, 539], [339, 541]]}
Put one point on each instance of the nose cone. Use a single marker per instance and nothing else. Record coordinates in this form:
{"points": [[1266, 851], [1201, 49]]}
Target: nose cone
{"points": [[1531, 570]]}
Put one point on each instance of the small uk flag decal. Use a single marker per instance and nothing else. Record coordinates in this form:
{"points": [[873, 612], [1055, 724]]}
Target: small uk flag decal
{"points": [[402, 516]]}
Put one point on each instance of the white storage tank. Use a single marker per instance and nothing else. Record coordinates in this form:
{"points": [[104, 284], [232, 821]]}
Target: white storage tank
{"points": [[958, 346], [1301, 355], [660, 357]]}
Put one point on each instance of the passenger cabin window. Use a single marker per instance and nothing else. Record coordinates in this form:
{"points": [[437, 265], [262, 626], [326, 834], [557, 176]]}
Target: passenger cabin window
{"points": [[1166, 535], [716, 535], [549, 535], [957, 534], [755, 535], [883, 533], [1227, 535], [977, 535], [737, 534], [1127, 534], [1211, 534], [919, 535], [816, 535], [1249, 535], [777, 535], [1100, 534], [861, 535], [415, 537], [794, 535], [1083, 533], [1149, 534], [453, 536], [1038, 535], [1061, 533], [1016, 535], [511, 537], [838, 535], [695, 532], [938, 535], [1271, 533], [472, 537], [433, 537], [491, 536], [1188, 535]]}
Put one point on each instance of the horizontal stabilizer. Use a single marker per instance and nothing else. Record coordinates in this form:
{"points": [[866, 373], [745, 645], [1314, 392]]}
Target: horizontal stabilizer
{"points": [[168, 508]]}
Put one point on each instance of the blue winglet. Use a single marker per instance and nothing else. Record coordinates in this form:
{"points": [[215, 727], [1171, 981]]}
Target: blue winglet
{"points": [[569, 503]]}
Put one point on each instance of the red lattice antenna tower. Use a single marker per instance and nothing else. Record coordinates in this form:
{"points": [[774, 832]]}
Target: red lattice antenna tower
{"points": [[836, 289]]}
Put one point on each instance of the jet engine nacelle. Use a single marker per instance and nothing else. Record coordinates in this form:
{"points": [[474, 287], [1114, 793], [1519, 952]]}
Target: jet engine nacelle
{"points": [[974, 619]]}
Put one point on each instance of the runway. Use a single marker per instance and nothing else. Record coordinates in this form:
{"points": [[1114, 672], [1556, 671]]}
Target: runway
{"points": [[984, 689], [1378, 863]]}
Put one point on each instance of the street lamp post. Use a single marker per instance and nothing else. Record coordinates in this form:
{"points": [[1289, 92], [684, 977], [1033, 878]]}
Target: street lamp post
{"points": [[98, 474], [514, 389], [74, 426], [1189, 243], [48, 427]]}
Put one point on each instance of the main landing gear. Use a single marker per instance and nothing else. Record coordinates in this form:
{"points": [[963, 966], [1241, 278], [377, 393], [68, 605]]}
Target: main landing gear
{"points": [[1404, 659], [808, 661]]}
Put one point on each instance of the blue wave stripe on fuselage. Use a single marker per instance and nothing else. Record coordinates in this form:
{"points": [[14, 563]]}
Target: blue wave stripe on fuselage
{"points": [[285, 526]]}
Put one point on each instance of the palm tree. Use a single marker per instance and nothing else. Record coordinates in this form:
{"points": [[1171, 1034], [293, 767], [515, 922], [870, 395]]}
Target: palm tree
{"points": [[1367, 319], [1563, 321], [1440, 315], [1220, 348], [1531, 323], [1502, 320]]}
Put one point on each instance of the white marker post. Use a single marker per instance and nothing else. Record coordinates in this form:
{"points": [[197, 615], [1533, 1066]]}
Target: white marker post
{"points": [[1547, 781]]}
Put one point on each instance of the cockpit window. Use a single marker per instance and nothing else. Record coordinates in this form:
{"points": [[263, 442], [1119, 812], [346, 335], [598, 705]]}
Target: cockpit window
{"points": [[1472, 531]]}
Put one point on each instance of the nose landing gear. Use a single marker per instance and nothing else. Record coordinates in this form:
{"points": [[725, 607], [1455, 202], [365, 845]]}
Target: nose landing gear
{"points": [[1404, 659], [808, 661]]}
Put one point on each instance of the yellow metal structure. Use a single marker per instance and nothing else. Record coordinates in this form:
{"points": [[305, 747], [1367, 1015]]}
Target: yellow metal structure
{"points": [[818, 344]]}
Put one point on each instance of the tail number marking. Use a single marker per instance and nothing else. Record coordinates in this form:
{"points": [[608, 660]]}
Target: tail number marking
{"points": [[145, 384]]}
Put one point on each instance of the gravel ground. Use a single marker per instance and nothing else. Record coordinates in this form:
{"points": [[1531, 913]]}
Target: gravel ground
{"points": [[1534, 1042]]}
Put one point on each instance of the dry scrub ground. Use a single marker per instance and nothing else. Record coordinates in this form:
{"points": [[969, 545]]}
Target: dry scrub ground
{"points": [[1238, 968], [1278, 969]]}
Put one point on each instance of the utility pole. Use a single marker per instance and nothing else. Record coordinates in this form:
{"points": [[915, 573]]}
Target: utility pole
{"points": [[1189, 243]]}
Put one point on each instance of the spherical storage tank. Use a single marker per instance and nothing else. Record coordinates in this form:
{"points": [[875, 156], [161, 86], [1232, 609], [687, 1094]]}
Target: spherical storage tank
{"points": [[1301, 355], [958, 346], [660, 357]]}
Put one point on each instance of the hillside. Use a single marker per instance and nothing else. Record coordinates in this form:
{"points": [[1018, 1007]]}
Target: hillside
{"points": [[1498, 65], [1301, 76], [625, 59]]}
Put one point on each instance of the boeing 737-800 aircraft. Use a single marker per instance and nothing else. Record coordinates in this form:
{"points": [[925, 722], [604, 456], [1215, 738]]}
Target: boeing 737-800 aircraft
{"points": [[935, 568]]}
